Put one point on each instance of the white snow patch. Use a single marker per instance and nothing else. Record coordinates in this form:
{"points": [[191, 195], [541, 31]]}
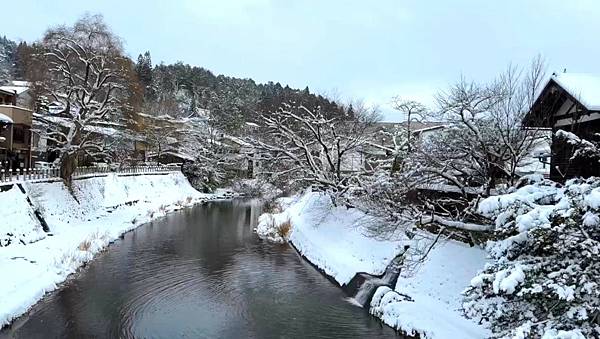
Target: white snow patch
{"points": [[333, 238], [436, 290]]}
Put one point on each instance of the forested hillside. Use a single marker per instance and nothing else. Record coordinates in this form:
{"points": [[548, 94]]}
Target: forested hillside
{"points": [[182, 90]]}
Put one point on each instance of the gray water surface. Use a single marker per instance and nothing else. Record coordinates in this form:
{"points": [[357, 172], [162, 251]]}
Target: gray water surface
{"points": [[198, 273]]}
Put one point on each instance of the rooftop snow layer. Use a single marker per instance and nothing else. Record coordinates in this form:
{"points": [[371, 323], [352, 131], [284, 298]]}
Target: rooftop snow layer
{"points": [[584, 87], [12, 89]]}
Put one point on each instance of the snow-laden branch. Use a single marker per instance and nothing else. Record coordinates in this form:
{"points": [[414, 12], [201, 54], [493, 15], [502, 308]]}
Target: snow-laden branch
{"points": [[465, 226]]}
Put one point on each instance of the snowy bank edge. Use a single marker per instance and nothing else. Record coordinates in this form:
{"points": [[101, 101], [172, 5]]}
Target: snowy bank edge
{"points": [[33, 291]]}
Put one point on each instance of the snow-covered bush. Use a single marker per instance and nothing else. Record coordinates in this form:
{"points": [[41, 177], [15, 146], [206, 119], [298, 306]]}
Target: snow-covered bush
{"points": [[203, 178], [255, 188], [274, 227], [387, 196], [543, 282]]}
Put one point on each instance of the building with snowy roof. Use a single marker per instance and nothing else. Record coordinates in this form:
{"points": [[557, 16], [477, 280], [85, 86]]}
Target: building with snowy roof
{"points": [[15, 132], [569, 102], [20, 92]]}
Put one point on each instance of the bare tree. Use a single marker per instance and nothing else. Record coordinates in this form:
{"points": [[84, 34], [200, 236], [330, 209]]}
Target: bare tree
{"points": [[84, 80], [214, 160], [413, 111], [316, 149], [159, 138], [486, 141]]}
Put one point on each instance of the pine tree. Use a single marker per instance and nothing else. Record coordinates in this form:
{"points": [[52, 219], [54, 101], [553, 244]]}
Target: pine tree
{"points": [[143, 69], [7, 59]]}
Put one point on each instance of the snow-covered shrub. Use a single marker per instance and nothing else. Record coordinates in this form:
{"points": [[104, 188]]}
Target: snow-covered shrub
{"points": [[274, 227], [543, 282], [271, 206], [255, 188], [203, 178], [387, 196]]}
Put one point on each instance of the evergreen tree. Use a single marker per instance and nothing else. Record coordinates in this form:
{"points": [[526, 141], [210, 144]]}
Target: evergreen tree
{"points": [[143, 68], [7, 59]]}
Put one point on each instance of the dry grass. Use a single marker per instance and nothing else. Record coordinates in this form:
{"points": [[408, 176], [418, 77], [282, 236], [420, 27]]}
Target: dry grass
{"points": [[85, 245], [163, 208], [188, 200], [283, 229]]}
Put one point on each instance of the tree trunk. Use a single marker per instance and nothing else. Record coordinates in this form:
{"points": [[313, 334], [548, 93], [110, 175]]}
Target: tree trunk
{"points": [[68, 164], [395, 165]]}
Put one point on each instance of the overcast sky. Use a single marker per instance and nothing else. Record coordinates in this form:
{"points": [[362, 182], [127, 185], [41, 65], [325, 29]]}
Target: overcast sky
{"points": [[358, 49]]}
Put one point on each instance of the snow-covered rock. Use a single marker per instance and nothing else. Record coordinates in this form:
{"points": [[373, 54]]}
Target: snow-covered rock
{"points": [[271, 227]]}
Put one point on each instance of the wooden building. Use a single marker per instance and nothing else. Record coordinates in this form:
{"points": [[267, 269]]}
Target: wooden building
{"points": [[15, 133], [569, 102]]}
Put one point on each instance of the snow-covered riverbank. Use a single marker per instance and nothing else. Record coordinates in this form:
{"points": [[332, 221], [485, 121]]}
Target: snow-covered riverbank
{"points": [[33, 262], [335, 240]]}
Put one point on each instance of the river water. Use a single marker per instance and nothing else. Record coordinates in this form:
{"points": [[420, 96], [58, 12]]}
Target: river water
{"points": [[198, 273]]}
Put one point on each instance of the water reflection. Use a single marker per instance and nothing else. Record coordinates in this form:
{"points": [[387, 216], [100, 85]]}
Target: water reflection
{"points": [[198, 273]]}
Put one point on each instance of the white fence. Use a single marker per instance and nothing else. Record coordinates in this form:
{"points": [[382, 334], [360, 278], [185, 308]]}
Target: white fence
{"points": [[35, 174]]}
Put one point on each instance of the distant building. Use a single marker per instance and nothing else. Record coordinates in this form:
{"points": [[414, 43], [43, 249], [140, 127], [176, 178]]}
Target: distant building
{"points": [[569, 102], [15, 132], [23, 93]]}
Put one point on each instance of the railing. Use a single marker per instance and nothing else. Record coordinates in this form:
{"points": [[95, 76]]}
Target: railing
{"points": [[35, 174]]}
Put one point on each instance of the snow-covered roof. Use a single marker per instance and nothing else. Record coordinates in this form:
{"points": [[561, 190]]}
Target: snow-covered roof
{"points": [[583, 87], [5, 119], [180, 155], [12, 89], [415, 126], [19, 83]]}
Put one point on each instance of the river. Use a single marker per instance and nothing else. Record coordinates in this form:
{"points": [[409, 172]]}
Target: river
{"points": [[198, 273]]}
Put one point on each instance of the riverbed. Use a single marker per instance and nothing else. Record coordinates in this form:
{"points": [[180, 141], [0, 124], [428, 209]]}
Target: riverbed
{"points": [[198, 273]]}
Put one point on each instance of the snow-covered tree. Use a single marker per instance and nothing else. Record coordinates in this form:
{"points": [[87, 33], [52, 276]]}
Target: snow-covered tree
{"points": [[317, 150], [160, 138], [543, 280], [413, 111], [83, 81], [485, 142], [215, 161], [7, 59]]}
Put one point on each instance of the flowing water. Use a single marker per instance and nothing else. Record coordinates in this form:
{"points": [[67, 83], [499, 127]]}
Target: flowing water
{"points": [[198, 273]]}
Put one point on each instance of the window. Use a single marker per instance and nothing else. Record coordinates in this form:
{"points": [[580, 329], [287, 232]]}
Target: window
{"points": [[19, 135]]}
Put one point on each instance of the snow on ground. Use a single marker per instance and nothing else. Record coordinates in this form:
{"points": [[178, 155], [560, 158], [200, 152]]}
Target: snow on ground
{"points": [[18, 224], [333, 238], [436, 293], [34, 262]]}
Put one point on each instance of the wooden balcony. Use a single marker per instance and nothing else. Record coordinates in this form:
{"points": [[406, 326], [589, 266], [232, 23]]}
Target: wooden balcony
{"points": [[19, 115]]}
